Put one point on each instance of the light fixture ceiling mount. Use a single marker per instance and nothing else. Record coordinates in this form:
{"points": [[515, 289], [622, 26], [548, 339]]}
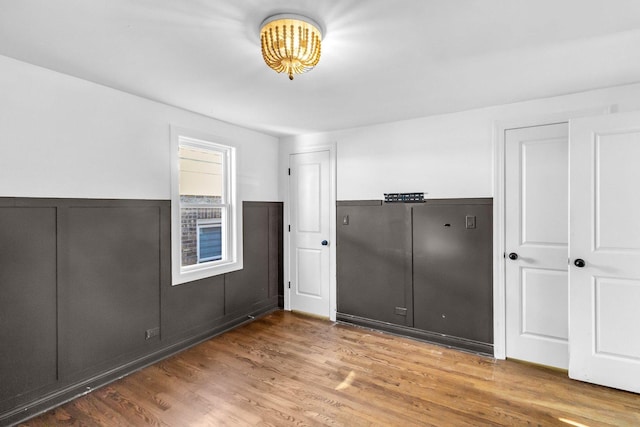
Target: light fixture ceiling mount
{"points": [[290, 43]]}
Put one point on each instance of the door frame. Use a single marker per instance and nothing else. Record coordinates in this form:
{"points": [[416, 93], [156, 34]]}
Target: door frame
{"points": [[499, 220], [301, 148]]}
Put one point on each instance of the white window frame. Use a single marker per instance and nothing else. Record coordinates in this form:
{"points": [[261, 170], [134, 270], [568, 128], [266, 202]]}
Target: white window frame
{"points": [[232, 208]]}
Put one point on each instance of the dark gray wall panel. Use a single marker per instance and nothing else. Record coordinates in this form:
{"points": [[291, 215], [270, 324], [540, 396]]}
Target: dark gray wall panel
{"points": [[239, 292], [111, 263], [109, 288], [452, 264], [276, 284], [374, 260], [28, 299], [191, 306], [250, 285], [402, 255]]}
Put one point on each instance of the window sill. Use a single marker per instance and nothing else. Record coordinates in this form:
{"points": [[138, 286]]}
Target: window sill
{"points": [[193, 274]]}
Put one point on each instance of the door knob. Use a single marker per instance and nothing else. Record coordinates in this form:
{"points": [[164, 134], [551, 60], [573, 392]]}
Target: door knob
{"points": [[513, 256], [324, 243], [579, 263]]}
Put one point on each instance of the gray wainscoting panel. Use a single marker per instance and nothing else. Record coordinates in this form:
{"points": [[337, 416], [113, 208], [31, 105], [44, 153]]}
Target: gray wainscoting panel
{"points": [[452, 268], [245, 287], [374, 261], [260, 280], [193, 306], [418, 269], [28, 358], [86, 295], [109, 288], [276, 274]]}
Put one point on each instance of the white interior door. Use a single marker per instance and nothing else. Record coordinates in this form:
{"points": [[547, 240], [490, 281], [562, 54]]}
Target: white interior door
{"points": [[605, 250], [536, 234], [310, 232]]}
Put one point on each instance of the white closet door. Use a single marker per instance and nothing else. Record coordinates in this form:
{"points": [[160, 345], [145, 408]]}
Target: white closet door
{"points": [[536, 200], [310, 232], [604, 249]]}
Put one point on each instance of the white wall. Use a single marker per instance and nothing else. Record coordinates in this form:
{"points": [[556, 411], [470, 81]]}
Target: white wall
{"points": [[445, 156], [65, 137]]}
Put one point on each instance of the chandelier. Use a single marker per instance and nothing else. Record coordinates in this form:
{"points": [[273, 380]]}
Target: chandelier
{"points": [[290, 43]]}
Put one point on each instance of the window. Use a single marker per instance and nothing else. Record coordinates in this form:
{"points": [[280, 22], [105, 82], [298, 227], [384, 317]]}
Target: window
{"points": [[209, 240], [205, 212]]}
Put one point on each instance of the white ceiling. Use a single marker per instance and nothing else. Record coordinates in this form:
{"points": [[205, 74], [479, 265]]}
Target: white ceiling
{"points": [[382, 60]]}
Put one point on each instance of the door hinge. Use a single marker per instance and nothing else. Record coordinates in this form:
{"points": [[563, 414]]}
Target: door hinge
{"points": [[289, 285], [289, 171]]}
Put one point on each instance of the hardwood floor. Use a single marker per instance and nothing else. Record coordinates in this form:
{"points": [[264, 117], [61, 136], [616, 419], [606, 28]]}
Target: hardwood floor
{"points": [[289, 369]]}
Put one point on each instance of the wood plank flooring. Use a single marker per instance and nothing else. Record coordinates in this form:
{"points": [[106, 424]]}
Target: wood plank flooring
{"points": [[287, 369]]}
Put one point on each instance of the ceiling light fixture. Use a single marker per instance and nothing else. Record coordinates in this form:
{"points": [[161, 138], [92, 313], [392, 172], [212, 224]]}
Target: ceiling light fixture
{"points": [[290, 43]]}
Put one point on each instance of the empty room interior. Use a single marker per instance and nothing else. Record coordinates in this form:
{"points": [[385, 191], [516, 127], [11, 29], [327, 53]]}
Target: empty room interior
{"points": [[319, 212]]}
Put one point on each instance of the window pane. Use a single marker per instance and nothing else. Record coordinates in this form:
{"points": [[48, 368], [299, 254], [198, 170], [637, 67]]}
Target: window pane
{"points": [[209, 242], [201, 176], [191, 219]]}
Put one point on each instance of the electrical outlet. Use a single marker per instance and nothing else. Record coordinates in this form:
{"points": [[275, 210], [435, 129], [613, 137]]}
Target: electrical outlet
{"points": [[150, 333], [402, 311]]}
